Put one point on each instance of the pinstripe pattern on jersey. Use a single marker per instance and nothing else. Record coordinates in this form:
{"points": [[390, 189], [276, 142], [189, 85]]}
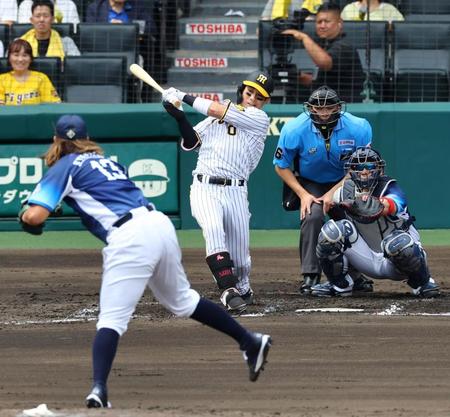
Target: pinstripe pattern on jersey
{"points": [[232, 148], [223, 214]]}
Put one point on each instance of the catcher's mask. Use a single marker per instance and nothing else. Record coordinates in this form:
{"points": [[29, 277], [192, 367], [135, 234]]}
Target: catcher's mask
{"points": [[260, 80], [324, 107], [365, 166]]}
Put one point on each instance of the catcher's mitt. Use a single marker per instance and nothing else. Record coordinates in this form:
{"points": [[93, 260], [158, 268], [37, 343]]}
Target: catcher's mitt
{"points": [[363, 211]]}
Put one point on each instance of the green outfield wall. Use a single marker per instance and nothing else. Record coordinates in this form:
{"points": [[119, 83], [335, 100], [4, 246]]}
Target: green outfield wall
{"points": [[412, 137]]}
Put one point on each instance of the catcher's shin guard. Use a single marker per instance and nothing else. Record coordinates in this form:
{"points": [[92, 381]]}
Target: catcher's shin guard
{"points": [[221, 267], [334, 238], [407, 256]]}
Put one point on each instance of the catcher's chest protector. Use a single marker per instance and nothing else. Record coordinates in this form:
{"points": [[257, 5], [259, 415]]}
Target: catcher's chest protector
{"points": [[375, 232]]}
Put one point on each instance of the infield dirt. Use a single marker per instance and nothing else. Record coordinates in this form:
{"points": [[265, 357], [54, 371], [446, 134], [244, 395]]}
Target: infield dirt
{"points": [[391, 360]]}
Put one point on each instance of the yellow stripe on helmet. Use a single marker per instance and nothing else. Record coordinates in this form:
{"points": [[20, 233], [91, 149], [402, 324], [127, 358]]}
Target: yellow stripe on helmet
{"points": [[258, 87]]}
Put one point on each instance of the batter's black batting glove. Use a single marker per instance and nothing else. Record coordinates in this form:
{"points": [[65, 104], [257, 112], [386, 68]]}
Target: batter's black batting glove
{"points": [[175, 112], [34, 230]]}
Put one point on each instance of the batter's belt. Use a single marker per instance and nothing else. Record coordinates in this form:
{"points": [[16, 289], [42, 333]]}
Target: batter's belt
{"points": [[220, 181]]}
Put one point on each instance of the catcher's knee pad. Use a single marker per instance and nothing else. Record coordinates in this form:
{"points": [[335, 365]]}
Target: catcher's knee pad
{"points": [[221, 267], [334, 238], [407, 256]]}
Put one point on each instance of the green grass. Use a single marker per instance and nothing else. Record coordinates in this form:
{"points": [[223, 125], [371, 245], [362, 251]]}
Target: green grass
{"points": [[187, 238]]}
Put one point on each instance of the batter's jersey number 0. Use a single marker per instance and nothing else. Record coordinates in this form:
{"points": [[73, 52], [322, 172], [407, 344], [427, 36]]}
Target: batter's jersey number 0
{"points": [[231, 129]]}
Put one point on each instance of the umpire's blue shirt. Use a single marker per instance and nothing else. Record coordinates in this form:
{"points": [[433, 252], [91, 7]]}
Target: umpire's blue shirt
{"points": [[301, 137]]}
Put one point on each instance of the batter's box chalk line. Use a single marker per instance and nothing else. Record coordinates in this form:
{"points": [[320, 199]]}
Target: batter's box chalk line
{"points": [[330, 310]]}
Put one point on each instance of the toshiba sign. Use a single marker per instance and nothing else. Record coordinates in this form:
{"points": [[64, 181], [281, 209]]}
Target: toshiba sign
{"points": [[216, 28], [209, 96], [201, 62]]}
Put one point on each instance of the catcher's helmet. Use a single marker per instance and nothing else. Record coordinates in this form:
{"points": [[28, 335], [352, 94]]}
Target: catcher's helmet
{"points": [[322, 98], [260, 80], [365, 167]]}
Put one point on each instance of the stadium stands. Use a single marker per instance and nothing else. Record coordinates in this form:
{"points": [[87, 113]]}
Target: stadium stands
{"points": [[409, 61], [91, 79], [421, 63]]}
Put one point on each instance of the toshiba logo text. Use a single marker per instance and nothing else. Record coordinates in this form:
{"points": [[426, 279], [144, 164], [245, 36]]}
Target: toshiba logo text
{"points": [[206, 62], [216, 28]]}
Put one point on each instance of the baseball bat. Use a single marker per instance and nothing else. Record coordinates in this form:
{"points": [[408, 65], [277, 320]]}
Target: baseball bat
{"points": [[143, 75]]}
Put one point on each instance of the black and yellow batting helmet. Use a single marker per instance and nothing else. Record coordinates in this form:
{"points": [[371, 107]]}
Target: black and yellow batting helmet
{"points": [[260, 80]]}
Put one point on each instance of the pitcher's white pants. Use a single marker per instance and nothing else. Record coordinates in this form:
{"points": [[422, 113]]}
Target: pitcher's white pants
{"points": [[143, 252]]}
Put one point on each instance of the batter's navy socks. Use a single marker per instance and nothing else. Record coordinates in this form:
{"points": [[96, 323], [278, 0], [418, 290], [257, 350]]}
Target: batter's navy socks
{"points": [[103, 353], [98, 397], [256, 354]]}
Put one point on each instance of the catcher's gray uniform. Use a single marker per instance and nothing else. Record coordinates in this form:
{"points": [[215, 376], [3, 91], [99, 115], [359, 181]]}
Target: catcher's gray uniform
{"points": [[387, 247]]}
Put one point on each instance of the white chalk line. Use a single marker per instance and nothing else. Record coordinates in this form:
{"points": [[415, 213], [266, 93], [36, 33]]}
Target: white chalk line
{"points": [[90, 314]]}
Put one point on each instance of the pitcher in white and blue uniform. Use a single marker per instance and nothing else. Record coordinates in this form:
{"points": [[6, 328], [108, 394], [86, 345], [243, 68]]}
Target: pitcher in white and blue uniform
{"points": [[320, 140], [141, 248]]}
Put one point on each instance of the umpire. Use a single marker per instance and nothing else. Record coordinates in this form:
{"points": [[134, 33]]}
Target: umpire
{"points": [[321, 139]]}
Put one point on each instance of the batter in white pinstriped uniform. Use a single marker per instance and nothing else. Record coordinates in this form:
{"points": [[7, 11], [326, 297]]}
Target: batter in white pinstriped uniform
{"points": [[230, 143]]}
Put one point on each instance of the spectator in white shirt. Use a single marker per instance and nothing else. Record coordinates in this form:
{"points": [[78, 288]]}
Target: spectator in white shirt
{"points": [[8, 11], [65, 11]]}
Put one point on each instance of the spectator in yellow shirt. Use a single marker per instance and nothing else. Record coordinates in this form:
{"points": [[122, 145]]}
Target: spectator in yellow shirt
{"points": [[379, 10], [44, 40], [23, 86]]}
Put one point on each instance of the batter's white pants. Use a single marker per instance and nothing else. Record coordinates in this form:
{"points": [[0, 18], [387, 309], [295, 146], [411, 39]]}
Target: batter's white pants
{"points": [[223, 214], [143, 252]]}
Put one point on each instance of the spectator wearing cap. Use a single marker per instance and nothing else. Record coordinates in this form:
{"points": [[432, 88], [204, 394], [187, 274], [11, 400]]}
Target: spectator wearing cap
{"points": [[65, 12], [120, 12], [8, 11], [23, 86], [44, 40]]}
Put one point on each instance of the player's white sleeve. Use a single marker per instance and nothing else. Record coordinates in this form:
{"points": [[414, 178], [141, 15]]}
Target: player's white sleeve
{"points": [[249, 118], [203, 125]]}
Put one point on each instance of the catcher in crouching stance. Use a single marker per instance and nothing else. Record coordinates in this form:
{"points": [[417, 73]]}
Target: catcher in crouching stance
{"points": [[377, 237]]}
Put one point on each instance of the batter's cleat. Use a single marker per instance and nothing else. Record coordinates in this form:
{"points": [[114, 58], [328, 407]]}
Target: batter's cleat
{"points": [[98, 398], [328, 289], [233, 301], [428, 290], [362, 284], [309, 280], [249, 297], [256, 358]]}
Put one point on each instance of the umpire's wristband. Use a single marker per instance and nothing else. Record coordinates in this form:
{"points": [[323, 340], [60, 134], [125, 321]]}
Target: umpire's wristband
{"points": [[198, 103]]}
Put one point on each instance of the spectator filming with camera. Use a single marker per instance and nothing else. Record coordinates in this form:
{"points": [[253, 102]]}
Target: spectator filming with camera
{"points": [[338, 63]]}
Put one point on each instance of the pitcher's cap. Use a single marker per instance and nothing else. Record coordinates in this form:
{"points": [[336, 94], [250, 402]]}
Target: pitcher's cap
{"points": [[71, 127]]}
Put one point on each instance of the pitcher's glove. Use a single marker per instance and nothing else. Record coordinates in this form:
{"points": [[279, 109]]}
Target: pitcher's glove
{"points": [[365, 210]]}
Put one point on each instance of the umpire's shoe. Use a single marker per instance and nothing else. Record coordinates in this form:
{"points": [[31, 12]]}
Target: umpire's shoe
{"points": [[309, 280], [256, 357], [233, 301], [98, 397]]}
